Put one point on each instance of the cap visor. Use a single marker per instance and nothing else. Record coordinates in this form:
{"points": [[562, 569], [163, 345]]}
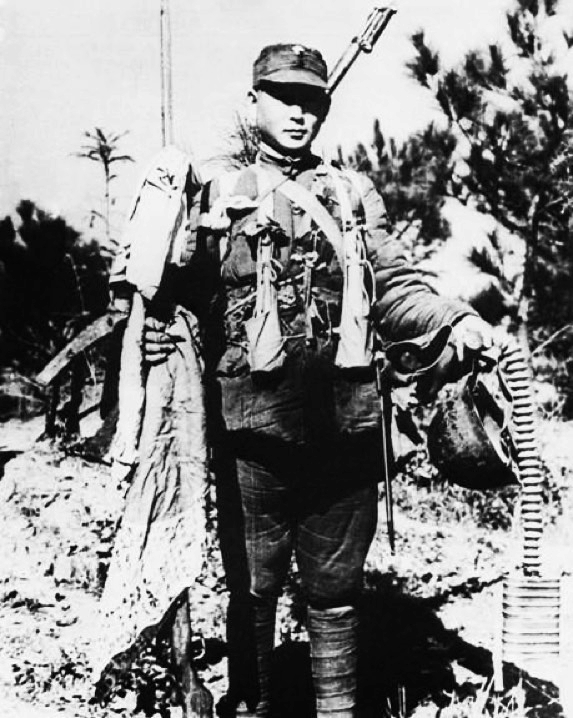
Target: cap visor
{"points": [[295, 77]]}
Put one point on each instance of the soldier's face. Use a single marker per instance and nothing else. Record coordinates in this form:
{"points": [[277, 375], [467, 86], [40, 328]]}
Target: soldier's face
{"points": [[289, 116]]}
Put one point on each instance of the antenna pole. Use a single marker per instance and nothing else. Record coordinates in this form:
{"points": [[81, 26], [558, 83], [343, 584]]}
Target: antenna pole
{"points": [[166, 75]]}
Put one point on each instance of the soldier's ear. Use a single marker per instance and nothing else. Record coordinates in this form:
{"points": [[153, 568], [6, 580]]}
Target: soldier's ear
{"points": [[252, 96]]}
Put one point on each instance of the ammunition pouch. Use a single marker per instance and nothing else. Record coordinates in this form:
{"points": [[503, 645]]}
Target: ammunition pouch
{"points": [[355, 345], [266, 345]]}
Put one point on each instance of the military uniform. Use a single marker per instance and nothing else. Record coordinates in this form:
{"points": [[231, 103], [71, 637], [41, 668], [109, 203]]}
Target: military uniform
{"points": [[296, 448], [300, 445]]}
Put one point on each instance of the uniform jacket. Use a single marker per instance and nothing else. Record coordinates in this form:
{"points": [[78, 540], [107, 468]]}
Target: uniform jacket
{"points": [[308, 399]]}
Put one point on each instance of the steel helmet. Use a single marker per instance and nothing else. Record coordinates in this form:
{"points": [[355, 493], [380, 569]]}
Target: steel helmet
{"points": [[469, 438]]}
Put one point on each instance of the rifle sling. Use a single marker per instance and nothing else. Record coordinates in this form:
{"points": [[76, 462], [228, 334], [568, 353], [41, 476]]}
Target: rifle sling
{"points": [[307, 201]]}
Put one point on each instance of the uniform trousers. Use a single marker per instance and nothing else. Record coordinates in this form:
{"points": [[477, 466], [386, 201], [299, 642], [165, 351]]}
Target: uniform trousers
{"points": [[276, 499]]}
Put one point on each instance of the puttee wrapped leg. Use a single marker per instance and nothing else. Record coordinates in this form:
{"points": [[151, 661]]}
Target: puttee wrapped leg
{"points": [[251, 634], [333, 651]]}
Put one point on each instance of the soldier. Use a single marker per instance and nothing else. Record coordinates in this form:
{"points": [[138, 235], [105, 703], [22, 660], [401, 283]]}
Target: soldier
{"points": [[291, 273]]}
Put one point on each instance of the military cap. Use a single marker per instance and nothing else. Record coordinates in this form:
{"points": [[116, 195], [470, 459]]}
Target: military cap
{"points": [[290, 63]]}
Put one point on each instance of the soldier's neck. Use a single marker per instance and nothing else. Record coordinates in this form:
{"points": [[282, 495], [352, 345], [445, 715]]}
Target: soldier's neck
{"points": [[287, 164]]}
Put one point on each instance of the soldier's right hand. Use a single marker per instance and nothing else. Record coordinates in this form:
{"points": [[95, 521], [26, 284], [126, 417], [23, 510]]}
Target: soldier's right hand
{"points": [[159, 340]]}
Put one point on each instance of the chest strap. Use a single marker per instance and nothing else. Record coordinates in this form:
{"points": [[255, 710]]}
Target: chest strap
{"points": [[307, 201]]}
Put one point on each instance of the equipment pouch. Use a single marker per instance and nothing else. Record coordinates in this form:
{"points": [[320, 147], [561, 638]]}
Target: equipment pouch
{"points": [[266, 346], [355, 346], [263, 329]]}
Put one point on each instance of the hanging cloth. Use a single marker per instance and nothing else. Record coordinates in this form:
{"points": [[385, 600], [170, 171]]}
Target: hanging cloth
{"points": [[356, 340], [263, 329]]}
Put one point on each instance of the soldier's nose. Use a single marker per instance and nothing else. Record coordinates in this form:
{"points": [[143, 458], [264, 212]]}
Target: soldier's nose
{"points": [[296, 112]]}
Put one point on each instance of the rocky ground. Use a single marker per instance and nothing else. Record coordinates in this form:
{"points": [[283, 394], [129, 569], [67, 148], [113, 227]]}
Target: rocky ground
{"points": [[431, 612]]}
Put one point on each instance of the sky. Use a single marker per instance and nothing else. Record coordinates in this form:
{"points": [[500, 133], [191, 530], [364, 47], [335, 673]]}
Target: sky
{"points": [[69, 65]]}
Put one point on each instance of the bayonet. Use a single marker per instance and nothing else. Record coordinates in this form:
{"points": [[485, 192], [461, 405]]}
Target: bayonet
{"points": [[364, 42]]}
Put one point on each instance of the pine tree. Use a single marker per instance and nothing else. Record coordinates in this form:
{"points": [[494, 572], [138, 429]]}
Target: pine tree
{"points": [[413, 178], [51, 285], [511, 123]]}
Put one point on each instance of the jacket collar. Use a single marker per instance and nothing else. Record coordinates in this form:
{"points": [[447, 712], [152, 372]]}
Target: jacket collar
{"points": [[286, 164]]}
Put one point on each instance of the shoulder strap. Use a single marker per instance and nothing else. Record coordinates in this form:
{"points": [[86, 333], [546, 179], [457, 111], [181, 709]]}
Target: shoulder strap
{"points": [[265, 190], [270, 181], [307, 201], [343, 196]]}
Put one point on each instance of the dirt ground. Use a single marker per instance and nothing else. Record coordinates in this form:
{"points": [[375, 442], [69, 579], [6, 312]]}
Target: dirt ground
{"points": [[430, 615]]}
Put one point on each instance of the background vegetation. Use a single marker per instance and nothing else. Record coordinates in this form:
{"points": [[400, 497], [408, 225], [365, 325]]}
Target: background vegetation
{"points": [[505, 150]]}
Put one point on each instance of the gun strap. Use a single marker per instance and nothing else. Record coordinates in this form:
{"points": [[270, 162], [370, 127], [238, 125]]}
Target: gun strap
{"points": [[308, 202]]}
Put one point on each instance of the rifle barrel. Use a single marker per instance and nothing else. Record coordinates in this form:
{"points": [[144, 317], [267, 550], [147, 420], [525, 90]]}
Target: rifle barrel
{"points": [[383, 396], [375, 25]]}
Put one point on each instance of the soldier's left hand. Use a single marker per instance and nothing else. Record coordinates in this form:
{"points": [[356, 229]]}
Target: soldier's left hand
{"points": [[471, 337]]}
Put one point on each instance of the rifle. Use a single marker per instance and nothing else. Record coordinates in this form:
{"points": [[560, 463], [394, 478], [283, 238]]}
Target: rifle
{"points": [[403, 361], [375, 25], [383, 391]]}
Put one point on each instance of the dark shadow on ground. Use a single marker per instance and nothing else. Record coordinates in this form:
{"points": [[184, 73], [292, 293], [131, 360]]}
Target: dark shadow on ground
{"points": [[406, 659]]}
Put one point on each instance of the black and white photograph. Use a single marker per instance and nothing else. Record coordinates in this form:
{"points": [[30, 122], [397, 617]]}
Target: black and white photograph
{"points": [[286, 358]]}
